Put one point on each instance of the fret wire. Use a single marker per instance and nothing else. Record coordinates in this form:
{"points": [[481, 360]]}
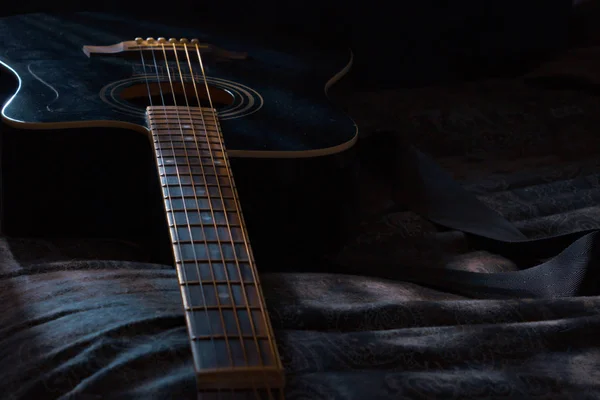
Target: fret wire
{"points": [[182, 147], [199, 158], [189, 135], [207, 241], [203, 147], [239, 328], [168, 189], [194, 241], [193, 170], [185, 120], [191, 174], [208, 185], [222, 307], [207, 337], [219, 282], [180, 144], [227, 260], [200, 225], [197, 119], [211, 179], [204, 197], [258, 350], [179, 247]]}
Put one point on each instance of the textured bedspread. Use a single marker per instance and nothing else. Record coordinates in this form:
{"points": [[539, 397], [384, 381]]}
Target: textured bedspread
{"points": [[77, 322]]}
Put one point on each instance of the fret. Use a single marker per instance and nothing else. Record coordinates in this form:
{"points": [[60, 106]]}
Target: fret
{"points": [[198, 143], [179, 135], [172, 137], [205, 242], [183, 114], [192, 151], [179, 144], [200, 203], [190, 134], [231, 282], [208, 322], [195, 128], [185, 134], [168, 188], [191, 191], [193, 170], [203, 226], [174, 118], [244, 307], [177, 109], [200, 234], [167, 137], [217, 298], [179, 219], [229, 337], [182, 180], [210, 252], [233, 272], [158, 122], [183, 117], [204, 159], [187, 114], [182, 162]]}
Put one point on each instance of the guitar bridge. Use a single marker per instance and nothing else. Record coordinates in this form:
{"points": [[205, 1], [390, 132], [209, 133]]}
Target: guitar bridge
{"points": [[160, 45]]}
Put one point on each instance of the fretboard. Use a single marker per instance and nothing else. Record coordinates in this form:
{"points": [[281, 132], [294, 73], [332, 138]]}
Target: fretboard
{"points": [[231, 337]]}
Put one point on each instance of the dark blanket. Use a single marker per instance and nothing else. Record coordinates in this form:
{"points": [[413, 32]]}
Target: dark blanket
{"points": [[80, 323]]}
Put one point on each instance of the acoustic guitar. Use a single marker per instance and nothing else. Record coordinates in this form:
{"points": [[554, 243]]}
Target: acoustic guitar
{"points": [[202, 98]]}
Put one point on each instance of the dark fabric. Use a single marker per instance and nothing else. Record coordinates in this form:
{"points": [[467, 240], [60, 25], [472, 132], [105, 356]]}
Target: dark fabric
{"points": [[88, 319], [430, 192]]}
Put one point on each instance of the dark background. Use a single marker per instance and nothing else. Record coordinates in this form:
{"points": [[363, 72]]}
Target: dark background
{"points": [[405, 43]]}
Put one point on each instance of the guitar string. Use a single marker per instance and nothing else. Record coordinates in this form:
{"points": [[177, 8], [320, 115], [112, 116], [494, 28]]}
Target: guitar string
{"points": [[193, 185], [158, 144], [231, 236], [223, 202], [212, 212], [170, 199], [243, 230]]}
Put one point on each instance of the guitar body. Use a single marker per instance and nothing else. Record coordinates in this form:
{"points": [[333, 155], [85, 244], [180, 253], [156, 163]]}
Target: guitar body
{"points": [[76, 155]]}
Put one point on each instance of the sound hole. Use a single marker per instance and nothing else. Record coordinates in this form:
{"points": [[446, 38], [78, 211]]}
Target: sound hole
{"points": [[186, 94]]}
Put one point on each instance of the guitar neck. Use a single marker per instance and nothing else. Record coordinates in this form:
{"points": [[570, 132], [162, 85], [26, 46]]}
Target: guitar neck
{"points": [[231, 337]]}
